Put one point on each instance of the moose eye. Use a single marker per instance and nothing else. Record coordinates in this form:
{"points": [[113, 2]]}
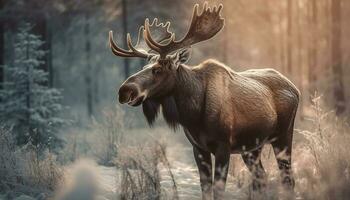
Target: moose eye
{"points": [[156, 71]]}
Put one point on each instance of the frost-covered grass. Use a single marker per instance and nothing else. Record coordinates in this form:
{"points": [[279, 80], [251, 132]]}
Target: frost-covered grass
{"points": [[322, 158], [140, 176], [99, 140], [24, 170]]}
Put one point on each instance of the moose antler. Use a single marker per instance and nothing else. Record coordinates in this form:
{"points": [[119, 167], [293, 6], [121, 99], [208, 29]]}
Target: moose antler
{"points": [[132, 52], [203, 27], [162, 32]]}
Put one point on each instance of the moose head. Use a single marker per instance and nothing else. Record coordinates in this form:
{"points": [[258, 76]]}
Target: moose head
{"points": [[158, 78]]}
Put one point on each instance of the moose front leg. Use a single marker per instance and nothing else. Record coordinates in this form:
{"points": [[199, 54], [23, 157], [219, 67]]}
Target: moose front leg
{"points": [[222, 160], [253, 162], [203, 160]]}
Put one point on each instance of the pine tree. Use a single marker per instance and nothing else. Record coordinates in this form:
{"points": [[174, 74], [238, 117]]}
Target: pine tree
{"points": [[28, 104]]}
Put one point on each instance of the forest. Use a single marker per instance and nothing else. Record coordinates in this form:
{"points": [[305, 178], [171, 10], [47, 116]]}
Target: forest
{"points": [[65, 136]]}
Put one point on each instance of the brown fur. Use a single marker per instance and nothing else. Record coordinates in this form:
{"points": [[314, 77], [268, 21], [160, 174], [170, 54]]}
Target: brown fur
{"points": [[218, 98], [223, 111]]}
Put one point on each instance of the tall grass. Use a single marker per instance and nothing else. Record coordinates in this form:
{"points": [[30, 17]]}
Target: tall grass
{"points": [[140, 175], [327, 174], [25, 171], [110, 133], [99, 141]]}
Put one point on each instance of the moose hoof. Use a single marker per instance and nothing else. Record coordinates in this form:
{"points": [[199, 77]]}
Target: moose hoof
{"points": [[258, 186], [288, 182]]}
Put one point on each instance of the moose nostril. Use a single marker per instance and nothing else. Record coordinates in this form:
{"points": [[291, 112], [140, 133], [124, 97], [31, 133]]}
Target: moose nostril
{"points": [[122, 90], [127, 93]]}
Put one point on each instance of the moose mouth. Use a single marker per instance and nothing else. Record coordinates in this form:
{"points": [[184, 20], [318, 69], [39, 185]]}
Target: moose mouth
{"points": [[136, 101]]}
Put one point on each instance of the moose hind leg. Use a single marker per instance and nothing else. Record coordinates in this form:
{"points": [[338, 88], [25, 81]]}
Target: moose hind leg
{"points": [[253, 162], [282, 148], [204, 164]]}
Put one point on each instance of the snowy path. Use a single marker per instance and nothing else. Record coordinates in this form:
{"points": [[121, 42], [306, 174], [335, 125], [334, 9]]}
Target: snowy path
{"points": [[186, 176], [183, 168]]}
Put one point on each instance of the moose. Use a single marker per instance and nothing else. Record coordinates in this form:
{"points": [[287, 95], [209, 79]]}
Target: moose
{"points": [[222, 111]]}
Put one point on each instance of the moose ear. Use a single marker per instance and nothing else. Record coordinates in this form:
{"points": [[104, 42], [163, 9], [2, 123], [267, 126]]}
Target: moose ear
{"points": [[183, 55], [151, 57]]}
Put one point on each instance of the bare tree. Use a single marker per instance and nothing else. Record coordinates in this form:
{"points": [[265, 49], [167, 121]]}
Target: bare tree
{"points": [[336, 59], [314, 36], [289, 36], [282, 44], [125, 30], [2, 46], [88, 78]]}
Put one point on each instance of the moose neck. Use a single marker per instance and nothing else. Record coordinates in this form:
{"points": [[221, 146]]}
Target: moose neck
{"points": [[188, 96]]}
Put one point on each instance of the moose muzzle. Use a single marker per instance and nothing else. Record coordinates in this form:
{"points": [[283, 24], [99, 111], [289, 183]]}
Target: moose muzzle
{"points": [[130, 94]]}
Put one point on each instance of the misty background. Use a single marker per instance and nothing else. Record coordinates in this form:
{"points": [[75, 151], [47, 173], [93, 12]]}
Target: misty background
{"points": [[305, 40], [59, 82]]}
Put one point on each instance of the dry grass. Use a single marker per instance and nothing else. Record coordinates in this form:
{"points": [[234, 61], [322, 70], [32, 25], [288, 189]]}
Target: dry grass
{"points": [[140, 175], [24, 171], [99, 141], [41, 172], [326, 175], [9, 165], [110, 132]]}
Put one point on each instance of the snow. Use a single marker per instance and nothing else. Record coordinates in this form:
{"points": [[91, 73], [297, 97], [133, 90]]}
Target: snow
{"points": [[185, 173], [186, 177]]}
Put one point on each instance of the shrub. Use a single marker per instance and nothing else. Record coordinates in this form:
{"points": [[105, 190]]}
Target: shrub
{"points": [[328, 174], [24, 170], [140, 175], [110, 133]]}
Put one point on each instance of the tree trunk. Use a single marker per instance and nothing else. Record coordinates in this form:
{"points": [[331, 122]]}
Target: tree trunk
{"points": [[96, 86], [313, 34], [336, 59], [282, 41], [2, 46], [2, 52], [40, 28], [88, 81], [225, 39], [48, 60], [289, 36], [125, 30], [28, 90], [299, 61]]}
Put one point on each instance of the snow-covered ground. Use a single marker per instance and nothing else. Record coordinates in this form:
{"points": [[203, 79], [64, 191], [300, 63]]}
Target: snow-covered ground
{"points": [[85, 179], [183, 169]]}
